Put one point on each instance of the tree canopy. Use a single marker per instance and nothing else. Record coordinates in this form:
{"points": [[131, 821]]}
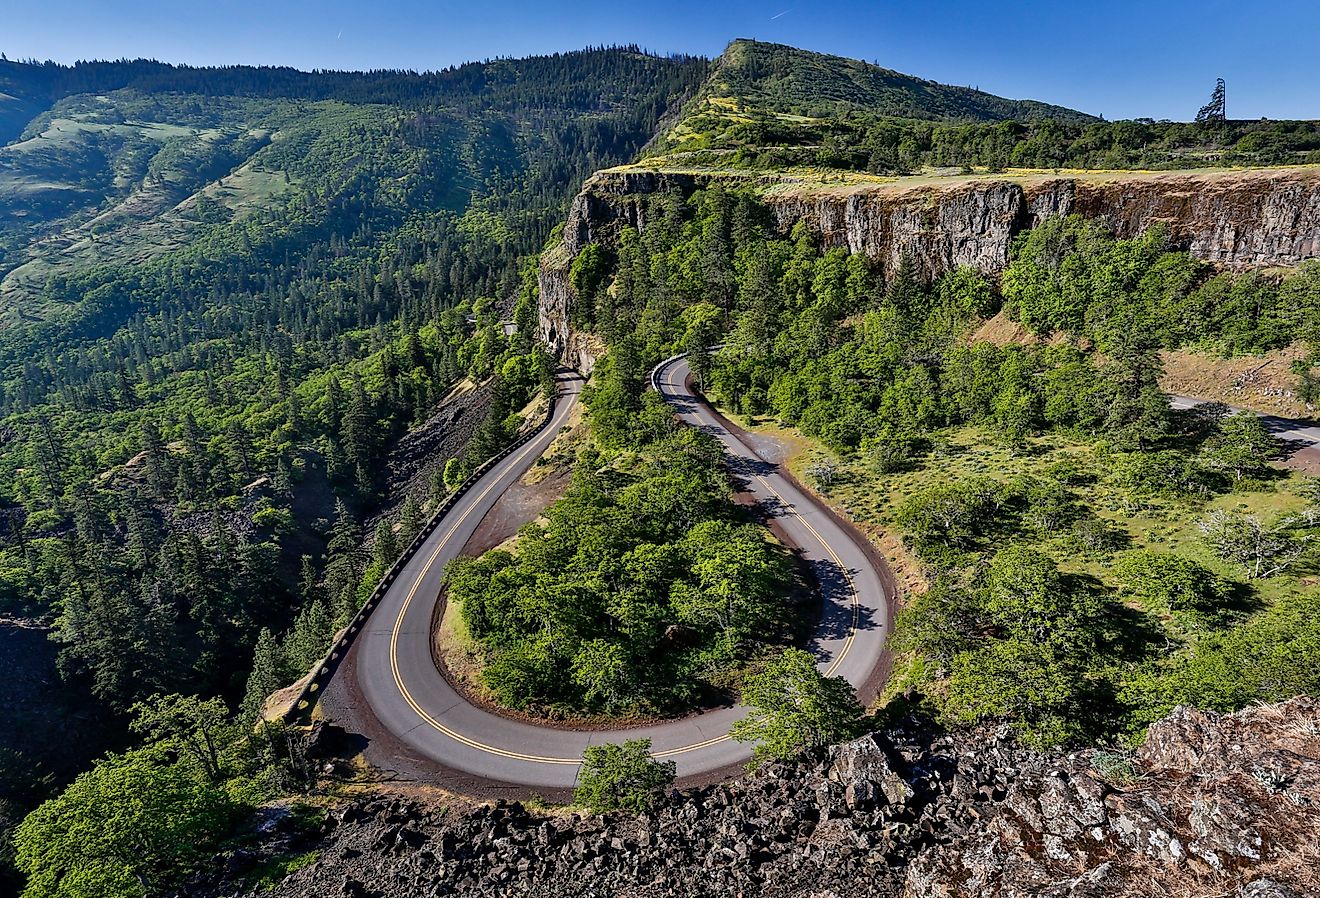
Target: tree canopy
{"points": [[794, 708]]}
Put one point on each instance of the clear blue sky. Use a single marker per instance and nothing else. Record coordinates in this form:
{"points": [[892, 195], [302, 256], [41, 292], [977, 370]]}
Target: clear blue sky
{"points": [[1123, 59]]}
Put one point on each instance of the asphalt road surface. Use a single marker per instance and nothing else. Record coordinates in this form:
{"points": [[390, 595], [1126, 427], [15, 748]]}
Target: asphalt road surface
{"points": [[1285, 429], [410, 698]]}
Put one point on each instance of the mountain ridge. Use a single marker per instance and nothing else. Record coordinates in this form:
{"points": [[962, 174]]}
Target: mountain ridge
{"points": [[808, 78]]}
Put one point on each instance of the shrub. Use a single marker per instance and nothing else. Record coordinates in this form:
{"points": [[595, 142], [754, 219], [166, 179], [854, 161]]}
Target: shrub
{"points": [[1168, 582], [622, 777]]}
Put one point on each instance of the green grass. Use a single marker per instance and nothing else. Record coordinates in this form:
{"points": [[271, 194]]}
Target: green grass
{"points": [[1160, 524], [798, 179], [271, 872]]}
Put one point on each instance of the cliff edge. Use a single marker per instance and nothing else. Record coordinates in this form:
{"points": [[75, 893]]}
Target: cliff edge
{"points": [[1208, 805], [1236, 219]]}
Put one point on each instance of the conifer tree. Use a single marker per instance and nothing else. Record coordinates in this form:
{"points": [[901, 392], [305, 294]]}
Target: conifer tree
{"points": [[267, 674], [1217, 109]]}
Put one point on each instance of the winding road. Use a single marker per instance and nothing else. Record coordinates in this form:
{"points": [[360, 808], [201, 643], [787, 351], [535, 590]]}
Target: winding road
{"points": [[401, 685], [1285, 429]]}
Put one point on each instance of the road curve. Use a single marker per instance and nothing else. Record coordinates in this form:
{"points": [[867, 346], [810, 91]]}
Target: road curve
{"points": [[1286, 429], [409, 697]]}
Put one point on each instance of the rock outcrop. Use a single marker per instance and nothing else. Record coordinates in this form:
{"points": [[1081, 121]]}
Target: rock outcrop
{"points": [[574, 348], [1209, 805], [1234, 219]]}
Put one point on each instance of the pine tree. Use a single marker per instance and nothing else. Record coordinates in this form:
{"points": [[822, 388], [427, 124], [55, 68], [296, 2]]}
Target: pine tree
{"points": [[156, 462], [47, 454], [309, 639], [410, 520], [385, 545], [283, 483], [308, 580], [267, 674], [906, 292], [1217, 109]]}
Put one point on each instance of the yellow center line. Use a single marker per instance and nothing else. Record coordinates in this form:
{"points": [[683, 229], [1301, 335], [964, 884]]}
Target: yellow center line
{"points": [[847, 576], [539, 759]]}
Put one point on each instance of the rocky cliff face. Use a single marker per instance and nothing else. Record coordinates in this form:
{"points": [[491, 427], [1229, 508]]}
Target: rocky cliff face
{"points": [[607, 203], [1235, 219], [572, 347], [1209, 805]]}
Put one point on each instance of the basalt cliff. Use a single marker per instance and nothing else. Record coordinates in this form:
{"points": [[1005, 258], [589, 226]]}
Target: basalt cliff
{"points": [[1238, 219], [1208, 805]]}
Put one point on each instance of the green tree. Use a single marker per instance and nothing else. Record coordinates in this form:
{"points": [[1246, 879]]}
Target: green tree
{"points": [[737, 577], [588, 274], [622, 777], [1024, 594], [127, 828], [1242, 446], [892, 449], [1163, 581], [194, 727], [306, 644], [267, 674], [1025, 683], [701, 329], [453, 476], [1138, 409], [794, 707], [603, 672], [950, 513], [385, 545]]}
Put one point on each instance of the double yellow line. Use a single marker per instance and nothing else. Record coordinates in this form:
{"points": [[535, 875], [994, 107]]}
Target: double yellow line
{"points": [[541, 759]]}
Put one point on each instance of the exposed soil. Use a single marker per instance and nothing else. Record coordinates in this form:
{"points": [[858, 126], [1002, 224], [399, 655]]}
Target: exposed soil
{"points": [[421, 453], [521, 503], [1263, 383], [1305, 459], [1004, 331]]}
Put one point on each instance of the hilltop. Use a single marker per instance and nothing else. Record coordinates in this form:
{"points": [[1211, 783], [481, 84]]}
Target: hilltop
{"points": [[769, 108], [784, 79]]}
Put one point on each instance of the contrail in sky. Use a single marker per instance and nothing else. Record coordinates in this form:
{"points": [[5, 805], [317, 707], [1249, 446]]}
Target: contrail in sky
{"points": [[777, 15], [340, 34]]}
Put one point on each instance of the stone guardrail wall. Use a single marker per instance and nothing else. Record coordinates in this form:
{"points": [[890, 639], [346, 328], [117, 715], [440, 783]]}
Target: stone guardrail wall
{"points": [[655, 372], [301, 709]]}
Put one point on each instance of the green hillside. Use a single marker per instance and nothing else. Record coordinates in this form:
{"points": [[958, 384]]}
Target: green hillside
{"points": [[130, 162], [799, 82], [224, 294], [769, 107]]}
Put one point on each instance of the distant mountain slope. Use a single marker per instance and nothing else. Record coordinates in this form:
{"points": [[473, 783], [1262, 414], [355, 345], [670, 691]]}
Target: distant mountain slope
{"points": [[121, 163], [252, 263], [790, 80]]}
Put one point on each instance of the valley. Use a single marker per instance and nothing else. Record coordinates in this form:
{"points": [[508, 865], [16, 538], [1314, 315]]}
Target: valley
{"points": [[911, 526]]}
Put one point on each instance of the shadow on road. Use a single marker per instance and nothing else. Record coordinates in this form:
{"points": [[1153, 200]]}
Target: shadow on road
{"points": [[839, 616]]}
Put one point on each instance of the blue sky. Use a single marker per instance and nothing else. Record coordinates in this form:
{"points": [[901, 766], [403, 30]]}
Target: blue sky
{"points": [[1121, 60]]}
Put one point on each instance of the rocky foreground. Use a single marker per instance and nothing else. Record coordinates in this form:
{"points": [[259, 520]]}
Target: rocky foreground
{"points": [[1208, 806]]}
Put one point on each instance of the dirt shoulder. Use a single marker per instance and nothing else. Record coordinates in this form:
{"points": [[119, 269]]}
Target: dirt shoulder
{"points": [[1262, 383]]}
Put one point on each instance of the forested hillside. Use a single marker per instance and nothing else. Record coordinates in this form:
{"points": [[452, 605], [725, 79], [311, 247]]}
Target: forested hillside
{"points": [[225, 293], [1084, 557], [769, 107]]}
